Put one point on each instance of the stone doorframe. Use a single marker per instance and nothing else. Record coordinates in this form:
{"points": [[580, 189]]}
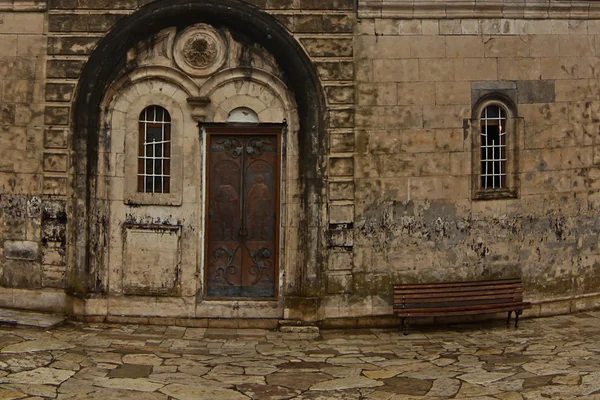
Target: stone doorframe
{"points": [[109, 61]]}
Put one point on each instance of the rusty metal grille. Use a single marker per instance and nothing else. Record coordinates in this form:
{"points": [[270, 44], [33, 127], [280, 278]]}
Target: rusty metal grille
{"points": [[493, 148], [154, 158]]}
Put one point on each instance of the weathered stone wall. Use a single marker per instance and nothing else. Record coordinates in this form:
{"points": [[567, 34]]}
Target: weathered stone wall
{"points": [[417, 81], [31, 249], [72, 29]]}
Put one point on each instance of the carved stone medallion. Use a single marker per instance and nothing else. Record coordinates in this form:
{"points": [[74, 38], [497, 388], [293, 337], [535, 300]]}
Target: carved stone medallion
{"points": [[199, 50]]}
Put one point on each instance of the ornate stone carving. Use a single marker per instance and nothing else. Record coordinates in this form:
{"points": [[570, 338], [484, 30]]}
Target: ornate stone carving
{"points": [[200, 50]]}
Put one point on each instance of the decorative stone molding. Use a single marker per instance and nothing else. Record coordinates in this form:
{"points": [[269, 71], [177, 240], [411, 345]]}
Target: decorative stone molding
{"points": [[198, 105], [260, 91], [200, 50], [432, 9], [22, 5]]}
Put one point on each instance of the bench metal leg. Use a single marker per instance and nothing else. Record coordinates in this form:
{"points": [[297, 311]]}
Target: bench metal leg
{"points": [[508, 318], [517, 313], [403, 327]]}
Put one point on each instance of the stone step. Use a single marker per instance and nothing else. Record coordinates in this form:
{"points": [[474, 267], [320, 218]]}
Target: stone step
{"points": [[291, 322], [29, 318], [295, 326], [299, 329]]}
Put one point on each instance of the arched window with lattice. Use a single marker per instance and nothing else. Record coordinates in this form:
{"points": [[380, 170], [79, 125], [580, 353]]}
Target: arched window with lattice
{"points": [[495, 149], [154, 156]]}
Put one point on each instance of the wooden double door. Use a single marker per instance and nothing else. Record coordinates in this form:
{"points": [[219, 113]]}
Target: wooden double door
{"points": [[242, 211]]}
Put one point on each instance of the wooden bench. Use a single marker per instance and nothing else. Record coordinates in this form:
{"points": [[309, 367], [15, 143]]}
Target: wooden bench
{"points": [[459, 298]]}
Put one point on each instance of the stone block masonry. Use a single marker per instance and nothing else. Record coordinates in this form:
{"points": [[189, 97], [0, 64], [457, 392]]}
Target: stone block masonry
{"points": [[22, 66], [415, 218], [324, 28]]}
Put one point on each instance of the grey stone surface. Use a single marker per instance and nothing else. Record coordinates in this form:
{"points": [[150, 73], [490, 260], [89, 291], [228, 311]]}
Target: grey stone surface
{"points": [[131, 371], [44, 376], [397, 84], [21, 250], [554, 357], [541, 91], [493, 85], [42, 344], [28, 318]]}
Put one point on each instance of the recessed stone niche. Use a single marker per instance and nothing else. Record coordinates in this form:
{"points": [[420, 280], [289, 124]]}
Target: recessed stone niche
{"points": [[152, 260]]}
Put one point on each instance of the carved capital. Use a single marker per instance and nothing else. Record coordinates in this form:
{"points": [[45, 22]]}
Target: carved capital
{"points": [[199, 105]]}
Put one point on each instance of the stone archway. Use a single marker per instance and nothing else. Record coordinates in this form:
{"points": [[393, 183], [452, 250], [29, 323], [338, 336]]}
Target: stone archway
{"points": [[108, 63]]}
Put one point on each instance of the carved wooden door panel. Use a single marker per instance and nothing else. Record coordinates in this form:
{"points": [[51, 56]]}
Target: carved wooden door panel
{"points": [[243, 212]]}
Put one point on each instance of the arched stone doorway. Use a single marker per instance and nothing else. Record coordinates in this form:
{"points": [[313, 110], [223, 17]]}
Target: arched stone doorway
{"points": [[157, 58]]}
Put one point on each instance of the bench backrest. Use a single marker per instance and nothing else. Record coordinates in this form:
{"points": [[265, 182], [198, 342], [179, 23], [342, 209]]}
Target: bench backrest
{"points": [[456, 294]]}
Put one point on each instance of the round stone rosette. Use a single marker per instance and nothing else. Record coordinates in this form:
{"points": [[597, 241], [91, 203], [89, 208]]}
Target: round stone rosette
{"points": [[199, 50]]}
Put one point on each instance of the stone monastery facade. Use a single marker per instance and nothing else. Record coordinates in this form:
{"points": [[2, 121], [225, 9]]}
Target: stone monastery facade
{"points": [[237, 163]]}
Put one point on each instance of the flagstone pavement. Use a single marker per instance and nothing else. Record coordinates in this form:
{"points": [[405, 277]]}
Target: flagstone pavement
{"points": [[545, 358]]}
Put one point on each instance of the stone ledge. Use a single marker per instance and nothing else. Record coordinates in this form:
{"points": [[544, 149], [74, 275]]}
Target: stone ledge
{"points": [[56, 301], [433, 9], [41, 300], [28, 318], [540, 308], [236, 323], [22, 5]]}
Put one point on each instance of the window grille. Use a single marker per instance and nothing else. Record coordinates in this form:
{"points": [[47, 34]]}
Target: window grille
{"points": [[154, 158], [493, 148]]}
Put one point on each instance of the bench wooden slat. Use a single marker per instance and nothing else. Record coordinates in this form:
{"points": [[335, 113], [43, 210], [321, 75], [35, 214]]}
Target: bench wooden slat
{"points": [[456, 293], [456, 303], [449, 313], [445, 299], [402, 295], [442, 299], [447, 302], [456, 284], [457, 289], [469, 307]]}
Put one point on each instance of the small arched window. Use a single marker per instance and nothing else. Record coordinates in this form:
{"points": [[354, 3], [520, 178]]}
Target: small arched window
{"points": [[154, 157], [495, 149], [493, 122]]}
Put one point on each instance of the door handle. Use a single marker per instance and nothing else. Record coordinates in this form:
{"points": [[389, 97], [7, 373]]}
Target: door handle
{"points": [[243, 232]]}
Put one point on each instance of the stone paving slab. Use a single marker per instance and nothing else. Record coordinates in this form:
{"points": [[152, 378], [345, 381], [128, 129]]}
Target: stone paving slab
{"points": [[28, 318], [546, 358]]}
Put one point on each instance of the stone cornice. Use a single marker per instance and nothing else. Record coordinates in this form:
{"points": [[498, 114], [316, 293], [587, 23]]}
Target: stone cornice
{"points": [[22, 5], [530, 9]]}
